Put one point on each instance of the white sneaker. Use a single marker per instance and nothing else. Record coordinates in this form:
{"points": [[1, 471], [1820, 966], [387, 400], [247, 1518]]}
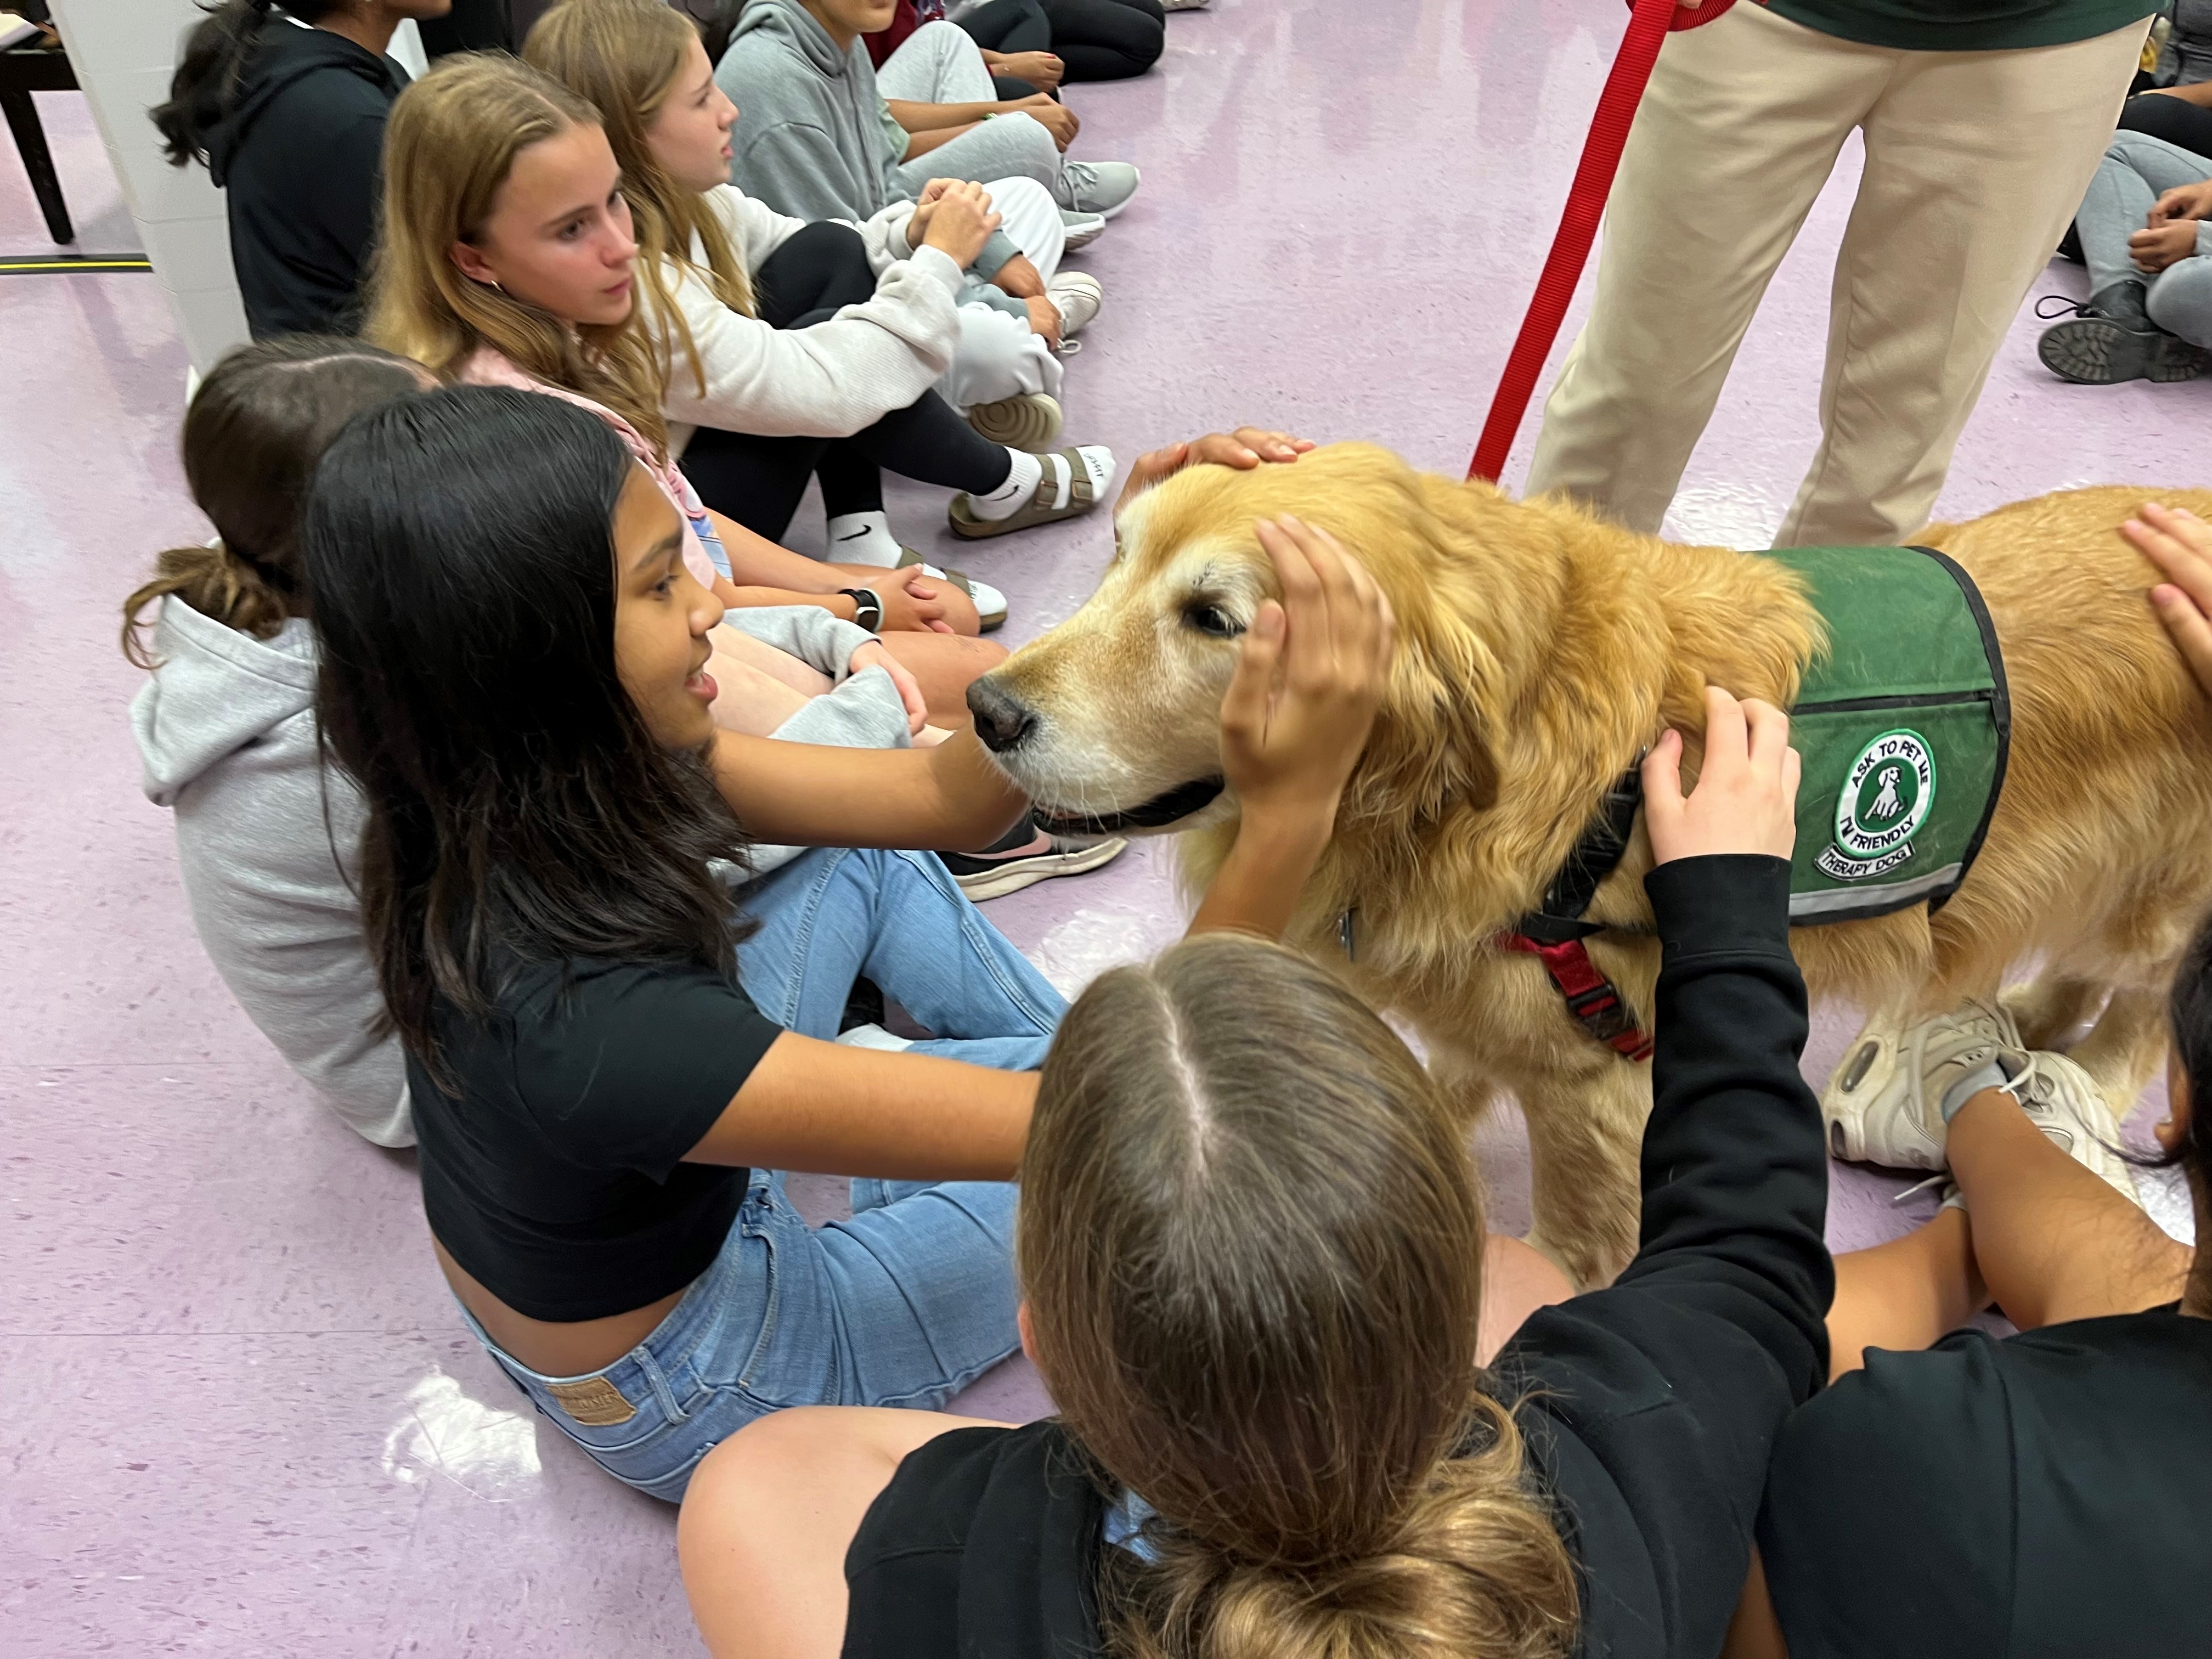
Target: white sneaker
{"points": [[2061, 1100], [1184, 5], [1078, 295], [1101, 187], [1884, 1102], [872, 1036], [1081, 229]]}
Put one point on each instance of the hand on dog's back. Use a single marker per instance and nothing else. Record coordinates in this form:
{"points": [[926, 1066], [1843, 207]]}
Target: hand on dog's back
{"points": [[1746, 797]]}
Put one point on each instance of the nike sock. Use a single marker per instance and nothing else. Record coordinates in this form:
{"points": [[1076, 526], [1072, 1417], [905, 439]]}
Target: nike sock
{"points": [[864, 538], [1011, 496]]}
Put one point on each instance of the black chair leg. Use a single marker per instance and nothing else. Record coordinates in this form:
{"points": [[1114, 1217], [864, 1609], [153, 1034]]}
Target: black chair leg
{"points": [[37, 160]]}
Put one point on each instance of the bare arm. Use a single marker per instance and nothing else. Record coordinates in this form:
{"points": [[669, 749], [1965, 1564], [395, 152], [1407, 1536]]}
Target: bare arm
{"points": [[797, 794], [756, 562], [1054, 118], [770, 1514], [1018, 277], [931, 117], [2199, 95], [814, 1105], [921, 143]]}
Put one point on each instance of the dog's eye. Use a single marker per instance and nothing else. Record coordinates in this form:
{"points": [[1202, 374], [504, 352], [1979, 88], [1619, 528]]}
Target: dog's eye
{"points": [[1212, 619]]}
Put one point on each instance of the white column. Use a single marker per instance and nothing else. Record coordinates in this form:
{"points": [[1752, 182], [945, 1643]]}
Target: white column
{"points": [[123, 52]]}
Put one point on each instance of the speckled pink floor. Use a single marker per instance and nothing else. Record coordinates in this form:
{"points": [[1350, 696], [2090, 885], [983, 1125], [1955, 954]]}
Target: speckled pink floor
{"points": [[240, 1416]]}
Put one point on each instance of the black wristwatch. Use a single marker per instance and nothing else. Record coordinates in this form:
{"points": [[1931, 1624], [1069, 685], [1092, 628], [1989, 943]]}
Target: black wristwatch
{"points": [[867, 607]]}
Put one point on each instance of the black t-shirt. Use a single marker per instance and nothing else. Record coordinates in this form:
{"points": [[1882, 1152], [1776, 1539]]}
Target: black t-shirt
{"points": [[2046, 1495], [1649, 1407], [556, 1176]]}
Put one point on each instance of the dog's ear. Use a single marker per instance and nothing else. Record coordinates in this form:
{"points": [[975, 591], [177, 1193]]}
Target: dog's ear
{"points": [[1431, 747]]}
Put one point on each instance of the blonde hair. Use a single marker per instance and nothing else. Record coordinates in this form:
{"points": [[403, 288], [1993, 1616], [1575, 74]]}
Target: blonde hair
{"points": [[448, 147], [256, 428], [1251, 1242], [625, 57]]}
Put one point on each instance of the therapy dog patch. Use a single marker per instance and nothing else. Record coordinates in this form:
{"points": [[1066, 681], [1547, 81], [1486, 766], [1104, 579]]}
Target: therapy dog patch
{"points": [[1904, 726]]}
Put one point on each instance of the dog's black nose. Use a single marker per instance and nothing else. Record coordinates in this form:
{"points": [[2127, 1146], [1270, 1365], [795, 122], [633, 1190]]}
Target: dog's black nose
{"points": [[1000, 719]]}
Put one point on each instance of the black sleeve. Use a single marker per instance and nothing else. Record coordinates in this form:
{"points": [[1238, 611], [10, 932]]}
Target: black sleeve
{"points": [[1890, 1509], [629, 1066], [1735, 1165], [1654, 1404]]}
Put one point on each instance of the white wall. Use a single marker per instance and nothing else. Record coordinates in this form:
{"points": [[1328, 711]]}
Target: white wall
{"points": [[123, 52]]}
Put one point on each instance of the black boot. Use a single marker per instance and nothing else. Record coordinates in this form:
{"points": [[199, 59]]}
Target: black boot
{"points": [[2112, 339]]}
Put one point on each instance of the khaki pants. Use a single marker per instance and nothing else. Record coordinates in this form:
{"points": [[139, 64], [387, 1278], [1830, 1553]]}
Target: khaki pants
{"points": [[1975, 161]]}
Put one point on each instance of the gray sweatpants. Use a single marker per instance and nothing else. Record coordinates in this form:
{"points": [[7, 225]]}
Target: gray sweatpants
{"points": [[940, 64], [2137, 169]]}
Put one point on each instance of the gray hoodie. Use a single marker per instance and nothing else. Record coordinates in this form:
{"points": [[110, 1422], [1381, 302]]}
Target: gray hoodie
{"points": [[268, 843], [811, 139], [269, 839]]}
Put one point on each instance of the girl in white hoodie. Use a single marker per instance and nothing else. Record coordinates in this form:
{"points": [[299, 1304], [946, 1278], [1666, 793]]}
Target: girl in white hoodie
{"points": [[794, 350]]}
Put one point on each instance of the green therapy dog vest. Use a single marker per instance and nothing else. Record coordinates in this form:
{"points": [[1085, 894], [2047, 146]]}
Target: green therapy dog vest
{"points": [[1904, 726]]}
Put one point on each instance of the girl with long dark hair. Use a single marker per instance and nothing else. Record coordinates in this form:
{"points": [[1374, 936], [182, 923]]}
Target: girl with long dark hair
{"points": [[286, 107], [512, 672]]}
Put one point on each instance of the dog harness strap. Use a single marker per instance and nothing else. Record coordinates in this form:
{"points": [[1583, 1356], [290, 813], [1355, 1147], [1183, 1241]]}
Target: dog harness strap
{"points": [[1590, 997], [1596, 856]]}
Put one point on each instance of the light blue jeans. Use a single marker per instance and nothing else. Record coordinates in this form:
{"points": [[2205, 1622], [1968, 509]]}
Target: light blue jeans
{"points": [[913, 1298], [2135, 171]]}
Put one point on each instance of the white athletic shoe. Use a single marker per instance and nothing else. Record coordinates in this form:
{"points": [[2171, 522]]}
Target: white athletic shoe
{"points": [[1081, 230], [2061, 1100], [1184, 5], [1101, 187], [872, 1036], [1884, 1102], [1078, 295]]}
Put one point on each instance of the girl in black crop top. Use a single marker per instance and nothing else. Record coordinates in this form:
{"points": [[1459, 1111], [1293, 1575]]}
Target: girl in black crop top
{"points": [[513, 671]]}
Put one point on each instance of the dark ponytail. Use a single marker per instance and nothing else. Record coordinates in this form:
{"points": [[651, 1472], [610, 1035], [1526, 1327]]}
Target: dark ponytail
{"points": [[204, 89]]}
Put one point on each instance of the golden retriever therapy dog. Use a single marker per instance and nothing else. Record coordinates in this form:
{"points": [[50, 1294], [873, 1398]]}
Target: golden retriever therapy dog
{"points": [[1540, 650]]}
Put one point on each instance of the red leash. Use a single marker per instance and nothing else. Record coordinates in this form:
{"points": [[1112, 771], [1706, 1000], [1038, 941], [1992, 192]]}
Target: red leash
{"points": [[1649, 25]]}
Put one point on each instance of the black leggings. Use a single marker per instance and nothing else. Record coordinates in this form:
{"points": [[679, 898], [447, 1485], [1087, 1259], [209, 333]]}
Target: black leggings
{"points": [[1096, 39], [2174, 119], [759, 481]]}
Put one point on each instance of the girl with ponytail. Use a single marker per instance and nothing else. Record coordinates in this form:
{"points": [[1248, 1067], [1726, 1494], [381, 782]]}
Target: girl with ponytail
{"points": [[225, 724], [285, 106], [1256, 1281]]}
